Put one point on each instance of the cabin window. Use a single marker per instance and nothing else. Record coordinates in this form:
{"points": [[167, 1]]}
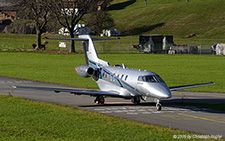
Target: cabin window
{"points": [[126, 77], [150, 78], [122, 76]]}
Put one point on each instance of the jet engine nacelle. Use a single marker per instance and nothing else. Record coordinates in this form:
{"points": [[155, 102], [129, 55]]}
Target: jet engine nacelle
{"points": [[85, 71]]}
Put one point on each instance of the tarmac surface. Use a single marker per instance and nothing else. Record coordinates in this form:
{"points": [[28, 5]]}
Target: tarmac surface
{"points": [[174, 113]]}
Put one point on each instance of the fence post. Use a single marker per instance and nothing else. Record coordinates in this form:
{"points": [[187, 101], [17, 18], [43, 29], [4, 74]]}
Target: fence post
{"points": [[189, 47], [119, 45], [201, 49], [102, 48], [117, 48], [128, 49]]}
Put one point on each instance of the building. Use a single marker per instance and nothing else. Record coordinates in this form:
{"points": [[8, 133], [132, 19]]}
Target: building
{"points": [[7, 16]]}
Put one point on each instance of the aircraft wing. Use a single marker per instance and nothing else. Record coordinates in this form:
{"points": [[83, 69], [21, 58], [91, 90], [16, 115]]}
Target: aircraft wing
{"points": [[74, 91], [190, 86]]}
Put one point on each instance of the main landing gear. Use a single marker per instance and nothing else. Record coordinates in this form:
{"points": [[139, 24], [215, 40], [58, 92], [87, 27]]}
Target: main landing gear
{"points": [[99, 100], [158, 105], [136, 100]]}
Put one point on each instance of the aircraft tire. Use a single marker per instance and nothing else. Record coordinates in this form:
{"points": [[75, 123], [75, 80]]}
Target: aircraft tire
{"points": [[102, 100], [96, 101], [158, 107], [99, 100], [136, 100]]}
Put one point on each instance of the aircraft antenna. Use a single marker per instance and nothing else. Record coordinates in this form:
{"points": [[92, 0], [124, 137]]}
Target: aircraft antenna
{"points": [[123, 66]]}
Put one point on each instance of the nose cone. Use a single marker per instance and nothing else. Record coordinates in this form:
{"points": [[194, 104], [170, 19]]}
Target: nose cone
{"points": [[164, 94], [159, 90]]}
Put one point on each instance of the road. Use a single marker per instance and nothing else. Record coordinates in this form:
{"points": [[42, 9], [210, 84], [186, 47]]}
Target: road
{"points": [[174, 114]]}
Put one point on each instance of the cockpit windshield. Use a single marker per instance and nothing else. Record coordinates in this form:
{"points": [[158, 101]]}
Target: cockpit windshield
{"points": [[150, 78]]}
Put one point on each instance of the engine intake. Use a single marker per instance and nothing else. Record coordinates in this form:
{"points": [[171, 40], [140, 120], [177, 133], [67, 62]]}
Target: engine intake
{"points": [[85, 71]]}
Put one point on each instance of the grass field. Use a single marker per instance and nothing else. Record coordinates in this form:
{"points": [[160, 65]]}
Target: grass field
{"points": [[59, 68], [15, 42], [12, 42], [27, 120], [176, 17]]}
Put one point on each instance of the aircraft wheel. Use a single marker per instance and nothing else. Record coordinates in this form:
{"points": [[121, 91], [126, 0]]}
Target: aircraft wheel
{"points": [[99, 99], [133, 100], [96, 101], [158, 107], [102, 100], [136, 100]]}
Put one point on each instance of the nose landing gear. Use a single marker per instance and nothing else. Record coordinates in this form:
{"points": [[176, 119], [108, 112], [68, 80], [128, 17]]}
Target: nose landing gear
{"points": [[158, 105]]}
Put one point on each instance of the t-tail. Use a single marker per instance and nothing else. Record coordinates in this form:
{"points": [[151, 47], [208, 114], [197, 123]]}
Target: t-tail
{"points": [[91, 56]]}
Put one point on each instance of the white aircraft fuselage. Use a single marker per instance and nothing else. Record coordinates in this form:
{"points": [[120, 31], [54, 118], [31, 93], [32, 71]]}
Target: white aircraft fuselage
{"points": [[130, 82]]}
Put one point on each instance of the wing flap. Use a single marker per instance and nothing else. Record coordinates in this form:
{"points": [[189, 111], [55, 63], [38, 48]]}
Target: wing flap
{"points": [[190, 86], [73, 91]]}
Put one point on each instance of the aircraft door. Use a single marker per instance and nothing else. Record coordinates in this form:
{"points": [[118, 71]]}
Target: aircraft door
{"points": [[140, 84]]}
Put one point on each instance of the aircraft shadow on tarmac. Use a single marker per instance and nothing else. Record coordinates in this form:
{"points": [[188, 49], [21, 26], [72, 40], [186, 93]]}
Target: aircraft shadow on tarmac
{"points": [[186, 102], [168, 105], [119, 104]]}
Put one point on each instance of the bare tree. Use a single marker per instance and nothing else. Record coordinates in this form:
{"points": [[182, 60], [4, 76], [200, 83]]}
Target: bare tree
{"points": [[70, 12], [36, 10], [98, 21]]}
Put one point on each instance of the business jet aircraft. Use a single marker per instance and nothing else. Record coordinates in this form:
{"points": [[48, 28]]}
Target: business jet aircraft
{"points": [[118, 80]]}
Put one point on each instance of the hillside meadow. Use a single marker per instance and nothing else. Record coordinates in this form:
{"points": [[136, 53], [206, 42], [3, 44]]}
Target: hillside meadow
{"points": [[59, 68], [173, 17]]}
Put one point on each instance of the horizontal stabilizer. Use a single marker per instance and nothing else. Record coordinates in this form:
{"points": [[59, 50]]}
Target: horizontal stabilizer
{"points": [[99, 39], [81, 39], [73, 91], [77, 39], [190, 86]]}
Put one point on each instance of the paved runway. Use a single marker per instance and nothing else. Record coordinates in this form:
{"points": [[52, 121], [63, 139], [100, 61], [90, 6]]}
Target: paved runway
{"points": [[173, 115]]}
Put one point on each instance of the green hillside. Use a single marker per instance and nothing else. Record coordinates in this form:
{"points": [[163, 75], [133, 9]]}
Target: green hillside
{"points": [[175, 17]]}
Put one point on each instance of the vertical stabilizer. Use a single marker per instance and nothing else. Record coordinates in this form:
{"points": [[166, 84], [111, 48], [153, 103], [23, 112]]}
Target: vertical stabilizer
{"points": [[91, 56]]}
